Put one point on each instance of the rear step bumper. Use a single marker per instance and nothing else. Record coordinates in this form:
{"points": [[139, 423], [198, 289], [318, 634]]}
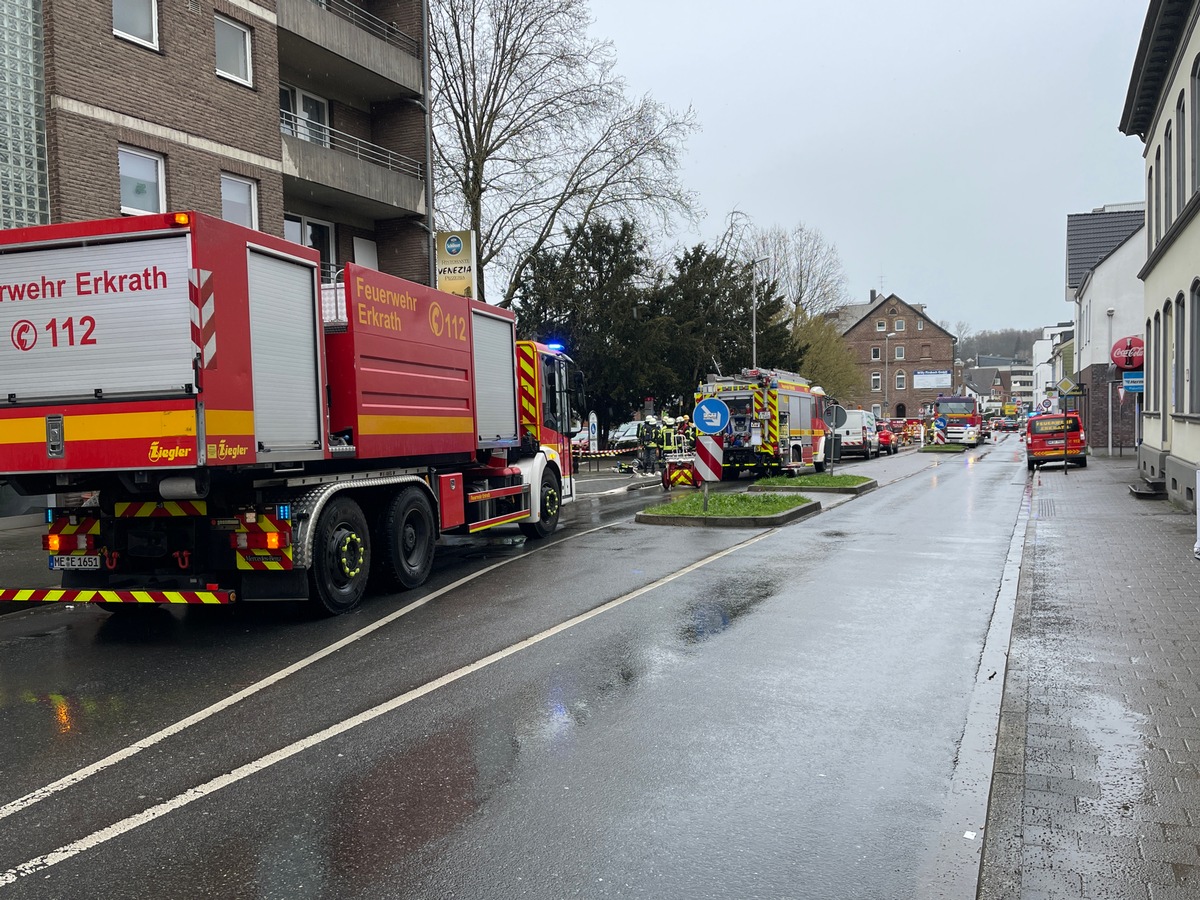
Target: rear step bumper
{"points": [[85, 595]]}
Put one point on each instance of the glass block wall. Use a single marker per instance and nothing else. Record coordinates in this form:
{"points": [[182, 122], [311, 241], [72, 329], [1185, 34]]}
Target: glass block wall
{"points": [[24, 183]]}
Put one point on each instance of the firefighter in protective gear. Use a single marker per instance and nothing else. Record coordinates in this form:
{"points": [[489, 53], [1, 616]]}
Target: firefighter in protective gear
{"points": [[669, 440], [648, 435]]}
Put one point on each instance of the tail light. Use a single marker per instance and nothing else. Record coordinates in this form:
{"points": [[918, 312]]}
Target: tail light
{"points": [[264, 540], [68, 543]]}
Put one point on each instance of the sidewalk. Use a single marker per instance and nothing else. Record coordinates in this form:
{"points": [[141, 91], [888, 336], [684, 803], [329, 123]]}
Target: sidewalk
{"points": [[1096, 787]]}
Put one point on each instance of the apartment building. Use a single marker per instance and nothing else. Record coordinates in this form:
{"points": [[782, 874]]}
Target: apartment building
{"points": [[303, 118], [906, 358]]}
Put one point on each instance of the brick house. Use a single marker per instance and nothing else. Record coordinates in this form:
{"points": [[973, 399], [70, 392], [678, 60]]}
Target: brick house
{"points": [[906, 358], [305, 120]]}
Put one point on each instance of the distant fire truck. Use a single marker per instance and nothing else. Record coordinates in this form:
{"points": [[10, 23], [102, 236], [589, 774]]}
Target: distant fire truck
{"points": [[775, 421]]}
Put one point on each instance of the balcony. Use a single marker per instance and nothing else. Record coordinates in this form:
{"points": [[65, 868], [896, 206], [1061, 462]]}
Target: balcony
{"points": [[341, 171], [359, 57]]}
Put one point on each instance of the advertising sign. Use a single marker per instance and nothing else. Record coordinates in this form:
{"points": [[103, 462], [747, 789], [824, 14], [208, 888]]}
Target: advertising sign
{"points": [[930, 379], [456, 263], [1129, 353], [1133, 382]]}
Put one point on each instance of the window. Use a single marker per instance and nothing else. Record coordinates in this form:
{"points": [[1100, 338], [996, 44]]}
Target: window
{"points": [[1148, 365], [1150, 210], [239, 200], [1157, 196], [1168, 187], [233, 50], [899, 351], [876, 410], [876, 381], [920, 324], [901, 381], [1157, 365], [1178, 398], [1195, 148], [899, 326], [881, 325], [1180, 157], [1193, 355], [136, 20], [312, 233], [875, 354], [303, 115], [142, 188]]}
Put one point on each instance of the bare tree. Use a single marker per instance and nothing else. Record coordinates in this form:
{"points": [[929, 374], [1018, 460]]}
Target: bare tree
{"points": [[806, 269], [534, 134]]}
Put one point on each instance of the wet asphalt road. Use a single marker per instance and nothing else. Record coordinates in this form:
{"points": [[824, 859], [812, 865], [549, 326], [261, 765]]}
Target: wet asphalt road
{"points": [[624, 711]]}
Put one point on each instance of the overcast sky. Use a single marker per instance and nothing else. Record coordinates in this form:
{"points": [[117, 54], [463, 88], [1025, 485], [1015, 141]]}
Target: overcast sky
{"points": [[939, 144]]}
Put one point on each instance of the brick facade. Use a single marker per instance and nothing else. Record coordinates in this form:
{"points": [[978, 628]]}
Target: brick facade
{"points": [[925, 346], [1094, 408], [104, 91]]}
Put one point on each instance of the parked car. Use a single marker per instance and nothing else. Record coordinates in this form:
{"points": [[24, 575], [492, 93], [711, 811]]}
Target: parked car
{"points": [[1009, 424], [581, 441], [1055, 437], [624, 437], [860, 434], [889, 441]]}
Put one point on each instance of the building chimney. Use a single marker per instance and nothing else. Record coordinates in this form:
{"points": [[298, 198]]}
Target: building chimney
{"points": [[872, 295]]}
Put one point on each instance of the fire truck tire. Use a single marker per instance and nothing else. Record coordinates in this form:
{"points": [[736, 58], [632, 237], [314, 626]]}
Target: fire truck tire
{"points": [[551, 503], [408, 537], [341, 557]]}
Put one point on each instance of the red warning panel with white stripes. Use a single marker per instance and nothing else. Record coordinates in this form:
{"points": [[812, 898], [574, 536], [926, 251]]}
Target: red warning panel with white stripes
{"points": [[710, 455]]}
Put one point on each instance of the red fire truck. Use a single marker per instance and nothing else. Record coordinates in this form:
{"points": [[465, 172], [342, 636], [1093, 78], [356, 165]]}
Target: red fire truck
{"points": [[219, 427]]}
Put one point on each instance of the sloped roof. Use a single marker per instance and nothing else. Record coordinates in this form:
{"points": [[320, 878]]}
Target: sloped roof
{"points": [[1162, 32], [849, 316], [1094, 235], [980, 380]]}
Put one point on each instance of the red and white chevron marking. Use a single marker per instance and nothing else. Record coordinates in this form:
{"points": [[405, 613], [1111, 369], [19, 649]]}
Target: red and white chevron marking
{"points": [[710, 456], [204, 330]]}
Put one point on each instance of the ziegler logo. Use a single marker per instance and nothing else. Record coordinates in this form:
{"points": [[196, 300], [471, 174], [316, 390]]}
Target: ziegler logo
{"points": [[227, 451], [168, 454]]}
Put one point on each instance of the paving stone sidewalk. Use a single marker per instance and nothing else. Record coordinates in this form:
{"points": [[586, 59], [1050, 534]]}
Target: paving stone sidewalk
{"points": [[1096, 791]]}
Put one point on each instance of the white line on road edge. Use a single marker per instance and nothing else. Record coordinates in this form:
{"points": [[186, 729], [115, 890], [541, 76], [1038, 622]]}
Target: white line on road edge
{"points": [[223, 781], [125, 753]]}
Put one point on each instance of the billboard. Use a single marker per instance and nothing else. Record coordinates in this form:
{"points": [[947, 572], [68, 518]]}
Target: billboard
{"points": [[932, 379]]}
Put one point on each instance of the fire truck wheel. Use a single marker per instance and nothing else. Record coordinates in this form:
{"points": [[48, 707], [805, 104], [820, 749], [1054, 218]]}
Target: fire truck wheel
{"points": [[408, 536], [341, 557], [551, 503]]}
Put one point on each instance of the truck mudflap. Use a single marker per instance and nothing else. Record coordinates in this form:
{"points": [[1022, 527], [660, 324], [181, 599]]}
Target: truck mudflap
{"points": [[90, 595]]}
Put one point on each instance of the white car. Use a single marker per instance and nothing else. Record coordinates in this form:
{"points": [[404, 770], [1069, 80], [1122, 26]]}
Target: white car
{"points": [[859, 434]]}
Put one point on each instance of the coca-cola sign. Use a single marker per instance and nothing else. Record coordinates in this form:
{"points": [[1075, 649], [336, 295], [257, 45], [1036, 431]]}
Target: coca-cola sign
{"points": [[1129, 353]]}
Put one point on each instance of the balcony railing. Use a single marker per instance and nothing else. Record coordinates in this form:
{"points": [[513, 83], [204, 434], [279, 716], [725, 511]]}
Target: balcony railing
{"points": [[324, 136], [385, 31]]}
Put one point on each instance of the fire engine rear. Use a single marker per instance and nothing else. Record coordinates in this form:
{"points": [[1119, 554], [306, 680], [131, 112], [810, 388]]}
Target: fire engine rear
{"points": [[219, 426]]}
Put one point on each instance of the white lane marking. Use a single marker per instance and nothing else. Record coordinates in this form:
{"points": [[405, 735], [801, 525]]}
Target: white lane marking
{"points": [[223, 781], [67, 781]]}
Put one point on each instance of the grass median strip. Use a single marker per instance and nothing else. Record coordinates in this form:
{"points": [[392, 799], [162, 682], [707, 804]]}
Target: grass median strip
{"points": [[943, 448], [729, 505], [802, 481]]}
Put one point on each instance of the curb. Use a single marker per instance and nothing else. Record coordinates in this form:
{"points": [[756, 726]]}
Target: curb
{"points": [[855, 490], [784, 518]]}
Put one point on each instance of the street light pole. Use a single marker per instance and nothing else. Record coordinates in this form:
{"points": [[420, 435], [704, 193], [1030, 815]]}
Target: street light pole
{"points": [[886, 349], [754, 315]]}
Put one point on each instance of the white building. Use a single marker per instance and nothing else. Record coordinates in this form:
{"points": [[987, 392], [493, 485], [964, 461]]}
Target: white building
{"points": [[1162, 108]]}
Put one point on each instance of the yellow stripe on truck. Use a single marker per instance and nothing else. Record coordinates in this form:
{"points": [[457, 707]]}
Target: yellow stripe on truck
{"points": [[416, 425], [103, 427], [229, 421]]}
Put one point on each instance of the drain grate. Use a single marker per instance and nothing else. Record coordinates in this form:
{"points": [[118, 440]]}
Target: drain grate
{"points": [[1046, 508]]}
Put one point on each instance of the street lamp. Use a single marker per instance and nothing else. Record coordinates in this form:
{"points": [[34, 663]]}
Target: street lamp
{"points": [[754, 316], [886, 338]]}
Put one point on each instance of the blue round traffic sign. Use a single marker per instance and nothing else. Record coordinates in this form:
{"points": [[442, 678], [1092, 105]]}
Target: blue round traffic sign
{"points": [[940, 423], [710, 416]]}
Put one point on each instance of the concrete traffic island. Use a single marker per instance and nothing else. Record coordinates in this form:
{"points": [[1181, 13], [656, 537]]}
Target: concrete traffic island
{"points": [[796, 513], [869, 485]]}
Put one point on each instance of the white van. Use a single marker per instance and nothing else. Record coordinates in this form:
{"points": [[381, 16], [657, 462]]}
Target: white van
{"points": [[860, 434]]}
